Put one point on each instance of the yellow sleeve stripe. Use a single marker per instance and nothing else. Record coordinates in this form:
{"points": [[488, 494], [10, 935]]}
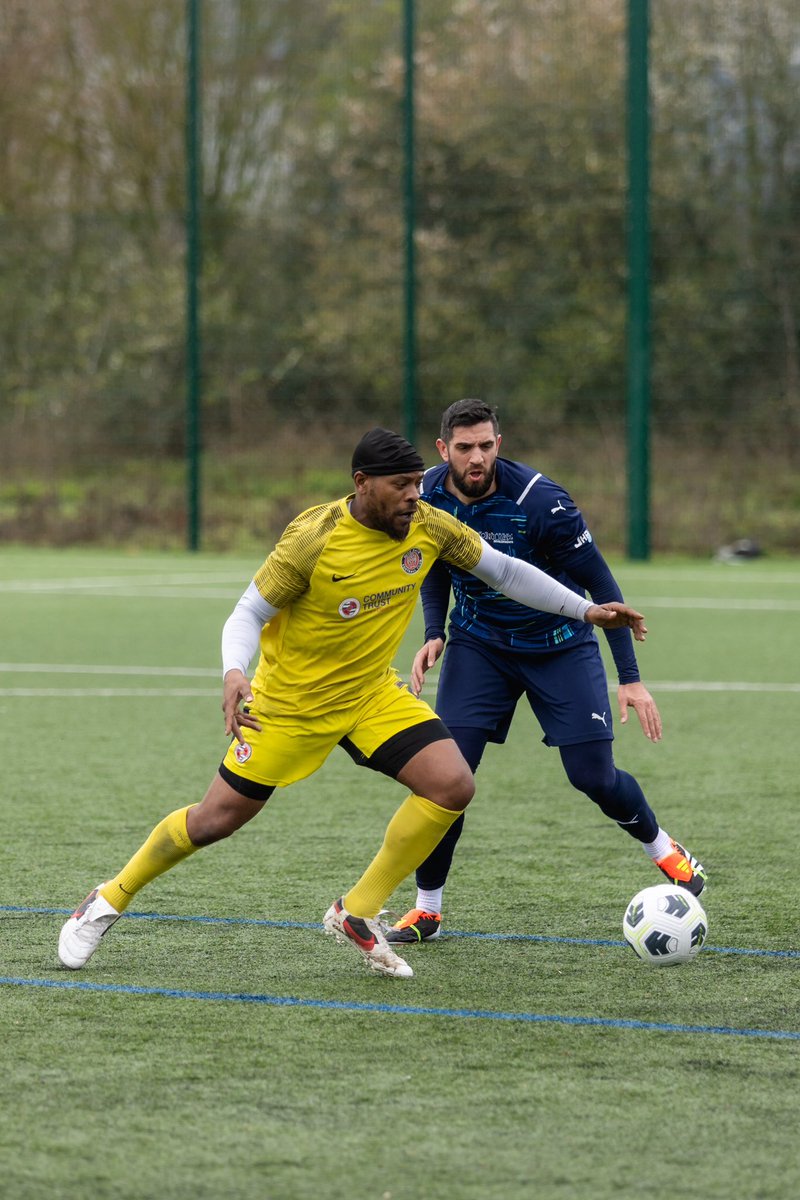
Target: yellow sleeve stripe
{"points": [[287, 572], [457, 543]]}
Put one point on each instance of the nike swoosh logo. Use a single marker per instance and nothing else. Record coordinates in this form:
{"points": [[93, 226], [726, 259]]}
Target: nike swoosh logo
{"points": [[339, 578]]}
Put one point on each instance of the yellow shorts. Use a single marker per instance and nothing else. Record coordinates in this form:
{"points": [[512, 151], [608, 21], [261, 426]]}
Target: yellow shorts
{"points": [[286, 749]]}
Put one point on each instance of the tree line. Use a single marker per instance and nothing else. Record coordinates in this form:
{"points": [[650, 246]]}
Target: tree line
{"points": [[520, 217]]}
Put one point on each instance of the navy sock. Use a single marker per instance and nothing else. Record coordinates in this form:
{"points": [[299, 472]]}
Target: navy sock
{"points": [[434, 871]]}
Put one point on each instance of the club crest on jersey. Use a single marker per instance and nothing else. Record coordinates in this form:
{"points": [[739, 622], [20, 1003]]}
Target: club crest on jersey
{"points": [[411, 561], [349, 608], [242, 752]]}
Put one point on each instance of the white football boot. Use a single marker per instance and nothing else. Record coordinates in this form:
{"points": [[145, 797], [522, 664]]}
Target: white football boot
{"points": [[365, 934], [80, 935]]}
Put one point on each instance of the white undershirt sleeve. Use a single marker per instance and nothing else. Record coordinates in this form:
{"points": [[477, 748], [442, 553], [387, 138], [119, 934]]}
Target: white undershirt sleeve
{"points": [[523, 582], [242, 630]]}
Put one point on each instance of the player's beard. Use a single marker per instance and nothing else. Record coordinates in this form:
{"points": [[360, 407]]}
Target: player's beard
{"points": [[397, 529], [398, 532], [474, 488]]}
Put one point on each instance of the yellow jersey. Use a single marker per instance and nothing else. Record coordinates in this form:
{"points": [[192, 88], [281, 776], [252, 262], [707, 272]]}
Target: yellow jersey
{"points": [[346, 595]]}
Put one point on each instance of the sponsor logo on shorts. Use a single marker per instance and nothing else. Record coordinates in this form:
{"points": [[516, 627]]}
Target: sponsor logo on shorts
{"points": [[411, 561], [242, 752], [349, 608]]}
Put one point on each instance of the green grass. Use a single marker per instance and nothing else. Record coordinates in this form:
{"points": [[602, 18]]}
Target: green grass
{"points": [[108, 1093]]}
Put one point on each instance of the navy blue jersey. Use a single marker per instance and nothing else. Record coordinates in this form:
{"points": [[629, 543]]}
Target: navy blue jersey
{"points": [[531, 517]]}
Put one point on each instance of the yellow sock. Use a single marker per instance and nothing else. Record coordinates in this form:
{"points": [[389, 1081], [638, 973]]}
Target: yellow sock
{"points": [[168, 844], [414, 830]]}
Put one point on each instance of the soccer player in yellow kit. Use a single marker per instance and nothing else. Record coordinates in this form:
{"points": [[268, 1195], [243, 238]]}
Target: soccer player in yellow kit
{"points": [[328, 609]]}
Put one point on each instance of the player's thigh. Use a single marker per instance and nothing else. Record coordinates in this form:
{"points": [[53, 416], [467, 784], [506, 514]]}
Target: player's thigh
{"points": [[568, 692], [478, 687], [283, 751], [440, 773], [391, 728], [401, 736]]}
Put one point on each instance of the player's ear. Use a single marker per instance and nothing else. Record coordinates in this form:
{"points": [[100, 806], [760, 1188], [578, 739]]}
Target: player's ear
{"points": [[499, 440], [442, 448]]}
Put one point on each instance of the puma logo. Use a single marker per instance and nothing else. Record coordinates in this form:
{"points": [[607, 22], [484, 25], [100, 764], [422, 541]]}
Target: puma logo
{"points": [[598, 717], [558, 508]]}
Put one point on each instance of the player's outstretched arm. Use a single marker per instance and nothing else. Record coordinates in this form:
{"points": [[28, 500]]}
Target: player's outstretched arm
{"points": [[423, 661], [617, 616], [521, 581]]}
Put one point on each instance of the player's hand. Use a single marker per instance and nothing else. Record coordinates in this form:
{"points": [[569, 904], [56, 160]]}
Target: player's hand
{"points": [[637, 697], [236, 691], [614, 615], [423, 661]]}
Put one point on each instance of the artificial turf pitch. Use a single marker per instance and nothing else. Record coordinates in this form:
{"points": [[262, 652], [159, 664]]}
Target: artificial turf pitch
{"points": [[219, 1045]]}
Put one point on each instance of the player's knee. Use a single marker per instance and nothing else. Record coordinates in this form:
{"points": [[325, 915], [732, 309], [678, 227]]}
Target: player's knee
{"points": [[210, 828], [591, 773], [591, 786], [209, 823], [456, 790], [601, 790]]}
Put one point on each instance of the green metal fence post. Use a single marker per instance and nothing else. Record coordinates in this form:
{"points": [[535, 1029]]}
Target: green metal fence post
{"points": [[193, 335], [638, 104], [409, 214]]}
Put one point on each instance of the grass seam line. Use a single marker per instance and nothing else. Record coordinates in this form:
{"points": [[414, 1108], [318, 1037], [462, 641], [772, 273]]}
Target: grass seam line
{"points": [[412, 1010], [553, 939]]}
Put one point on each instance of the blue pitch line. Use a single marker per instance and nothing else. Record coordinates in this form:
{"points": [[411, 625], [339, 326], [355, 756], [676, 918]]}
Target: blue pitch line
{"points": [[454, 933], [411, 1010]]}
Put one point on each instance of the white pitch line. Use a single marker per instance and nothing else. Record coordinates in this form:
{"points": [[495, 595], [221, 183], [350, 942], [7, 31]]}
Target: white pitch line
{"points": [[718, 686], [102, 589], [29, 668], [88, 669], [710, 575], [719, 605], [428, 690], [104, 693], [90, 583], [687, 685], [154, 593]]}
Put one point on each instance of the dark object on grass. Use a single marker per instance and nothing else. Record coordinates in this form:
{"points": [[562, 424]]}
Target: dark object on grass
{"points": [[738, 551]]}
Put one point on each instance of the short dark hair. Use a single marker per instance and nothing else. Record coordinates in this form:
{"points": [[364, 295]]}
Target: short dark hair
{"points": [[467, 412]]}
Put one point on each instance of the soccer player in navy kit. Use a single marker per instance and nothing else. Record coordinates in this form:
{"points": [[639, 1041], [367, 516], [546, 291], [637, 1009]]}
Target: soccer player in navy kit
{"points": [[498, 650]]}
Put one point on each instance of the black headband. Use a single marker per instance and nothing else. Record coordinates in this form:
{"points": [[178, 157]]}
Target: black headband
{"points": [[381, 452]]}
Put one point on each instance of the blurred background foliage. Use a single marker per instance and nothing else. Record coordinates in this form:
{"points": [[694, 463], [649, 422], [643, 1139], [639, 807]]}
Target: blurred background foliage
{"points": [[521, 199]]}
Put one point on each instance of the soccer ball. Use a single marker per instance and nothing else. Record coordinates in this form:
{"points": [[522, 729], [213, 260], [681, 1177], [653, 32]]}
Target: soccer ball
{"points": [[665, 924]]}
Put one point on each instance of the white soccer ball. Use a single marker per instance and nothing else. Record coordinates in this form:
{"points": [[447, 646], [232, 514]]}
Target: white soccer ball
{"points": [[665, 925]]}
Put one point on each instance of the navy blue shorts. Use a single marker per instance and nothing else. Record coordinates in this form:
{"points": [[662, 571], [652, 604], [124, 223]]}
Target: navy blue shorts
{"points": [[479, 687]]}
